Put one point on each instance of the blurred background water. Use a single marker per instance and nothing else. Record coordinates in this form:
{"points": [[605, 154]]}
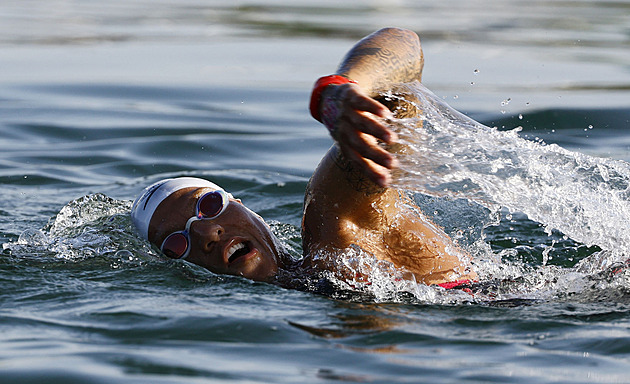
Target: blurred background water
{"points": [[99, 99]]}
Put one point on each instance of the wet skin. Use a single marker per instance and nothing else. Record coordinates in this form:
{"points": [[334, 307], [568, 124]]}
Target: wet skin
{"points": [[238, 242], [347, 201]]}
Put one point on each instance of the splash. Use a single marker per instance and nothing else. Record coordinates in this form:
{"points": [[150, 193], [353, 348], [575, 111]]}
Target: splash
{"points": [[448, 154], [86, 228], [469, 177]]}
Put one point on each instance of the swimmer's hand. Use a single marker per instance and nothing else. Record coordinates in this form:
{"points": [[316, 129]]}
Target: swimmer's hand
{"points": [[358, 123]]}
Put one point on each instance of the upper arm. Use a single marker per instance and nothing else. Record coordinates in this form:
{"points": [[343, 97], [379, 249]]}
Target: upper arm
{"points": [[339, 199]]}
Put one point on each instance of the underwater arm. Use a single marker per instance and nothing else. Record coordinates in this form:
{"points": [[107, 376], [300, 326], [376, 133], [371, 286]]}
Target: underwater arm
{"points": [[350, 112]]}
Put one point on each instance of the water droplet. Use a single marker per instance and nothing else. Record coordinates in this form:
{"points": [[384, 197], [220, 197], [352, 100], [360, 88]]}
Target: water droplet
{"points": [[520, 117], [476, 71], [456, 97], [124, 254], [33, 237], [590, 127]]}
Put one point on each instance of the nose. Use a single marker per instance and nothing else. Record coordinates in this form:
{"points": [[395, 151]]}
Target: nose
{"points": [[208, 233]]}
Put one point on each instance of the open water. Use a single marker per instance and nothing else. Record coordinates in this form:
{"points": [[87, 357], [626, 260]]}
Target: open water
{"points": [[99, 99]]}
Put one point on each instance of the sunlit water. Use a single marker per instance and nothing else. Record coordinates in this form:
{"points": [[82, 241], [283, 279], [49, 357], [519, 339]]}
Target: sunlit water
{"points": [[99, 100]]}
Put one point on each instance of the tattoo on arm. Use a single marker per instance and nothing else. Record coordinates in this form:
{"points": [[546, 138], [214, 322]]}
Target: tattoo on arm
{"points": [[355, 177], [396, 59]]}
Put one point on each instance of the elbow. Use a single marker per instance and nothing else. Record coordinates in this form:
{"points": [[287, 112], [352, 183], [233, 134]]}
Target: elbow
{"points": [[403, 33]]}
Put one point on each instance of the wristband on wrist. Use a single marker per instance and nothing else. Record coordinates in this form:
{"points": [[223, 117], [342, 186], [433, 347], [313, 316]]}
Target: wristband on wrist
{"points": [[319, 87]]}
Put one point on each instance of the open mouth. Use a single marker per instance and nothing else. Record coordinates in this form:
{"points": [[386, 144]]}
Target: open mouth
{"points": [[237, 250]]}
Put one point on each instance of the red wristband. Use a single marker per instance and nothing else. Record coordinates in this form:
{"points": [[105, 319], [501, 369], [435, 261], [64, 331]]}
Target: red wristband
{"points": [[318, 88]]}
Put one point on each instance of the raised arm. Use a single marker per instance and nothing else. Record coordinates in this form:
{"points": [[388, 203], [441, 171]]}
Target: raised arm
{"points": [[350, 111], [346, 204]]}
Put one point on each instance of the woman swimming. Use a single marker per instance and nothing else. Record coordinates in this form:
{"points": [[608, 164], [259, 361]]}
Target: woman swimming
{"points": [[347, 202]]}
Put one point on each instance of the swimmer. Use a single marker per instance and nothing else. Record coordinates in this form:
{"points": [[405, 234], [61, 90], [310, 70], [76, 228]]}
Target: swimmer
{"points": [[347, 202]]}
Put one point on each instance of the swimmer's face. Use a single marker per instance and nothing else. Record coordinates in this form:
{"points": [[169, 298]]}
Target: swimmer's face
{"points": [[237, 242]]}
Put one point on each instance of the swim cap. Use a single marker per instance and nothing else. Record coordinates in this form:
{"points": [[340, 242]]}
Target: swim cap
{"points": [[145, 205]]}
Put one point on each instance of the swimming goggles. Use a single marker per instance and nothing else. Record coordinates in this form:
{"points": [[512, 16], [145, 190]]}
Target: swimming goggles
{"points": [[209, 206]]}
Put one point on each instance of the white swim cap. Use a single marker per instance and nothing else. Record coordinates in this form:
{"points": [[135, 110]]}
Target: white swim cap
{"points": [[145, 205]]}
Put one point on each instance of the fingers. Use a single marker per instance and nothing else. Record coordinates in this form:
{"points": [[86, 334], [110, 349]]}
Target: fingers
{"points": [[365, 146], [358, 126], [367, 156], [360, 101], [363, 113], [367, 123], [374, 172]]}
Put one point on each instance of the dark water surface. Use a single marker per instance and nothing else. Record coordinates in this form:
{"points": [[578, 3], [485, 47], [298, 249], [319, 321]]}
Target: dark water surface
{"points": [[99, 99]]}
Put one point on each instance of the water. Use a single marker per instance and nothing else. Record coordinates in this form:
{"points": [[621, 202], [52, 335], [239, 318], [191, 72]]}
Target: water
{"points": [[99, 100]]}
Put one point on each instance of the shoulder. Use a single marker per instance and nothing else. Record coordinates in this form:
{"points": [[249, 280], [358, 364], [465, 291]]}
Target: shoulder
{"points": [[336, 173], [340, 202]]}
